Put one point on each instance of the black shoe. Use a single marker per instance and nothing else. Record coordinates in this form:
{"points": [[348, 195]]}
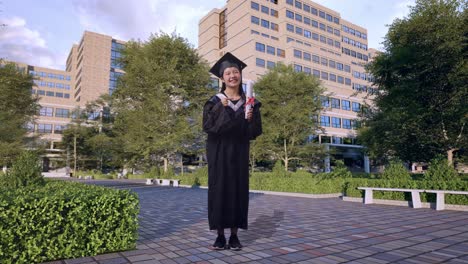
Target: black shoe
{"points": [[234, 243], [220, 243]]}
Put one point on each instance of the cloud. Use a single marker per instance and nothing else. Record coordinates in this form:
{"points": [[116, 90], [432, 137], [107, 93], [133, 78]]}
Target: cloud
{"points": [[126, 20], [21, 44]]}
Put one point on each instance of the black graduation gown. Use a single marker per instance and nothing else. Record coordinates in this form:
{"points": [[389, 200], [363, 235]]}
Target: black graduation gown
{"points": [[227, 150]]}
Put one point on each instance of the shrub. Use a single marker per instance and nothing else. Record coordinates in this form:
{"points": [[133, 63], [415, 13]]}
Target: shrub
{"points": [[395, 170], [26, 170], [65, 220], [440, 170], [279, 168]]}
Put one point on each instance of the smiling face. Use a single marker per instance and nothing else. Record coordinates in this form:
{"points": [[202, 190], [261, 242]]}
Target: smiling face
{"points": [[232, 77]]}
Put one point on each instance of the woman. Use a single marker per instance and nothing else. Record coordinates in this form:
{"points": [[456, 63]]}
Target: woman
{"points": [[229, 131]]}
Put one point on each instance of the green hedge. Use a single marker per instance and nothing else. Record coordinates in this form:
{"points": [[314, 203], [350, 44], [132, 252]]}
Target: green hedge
{"points": [[65, 220]]}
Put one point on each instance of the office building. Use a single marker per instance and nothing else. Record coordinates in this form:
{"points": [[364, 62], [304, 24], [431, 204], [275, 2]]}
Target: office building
{"points": [[315, 40]]}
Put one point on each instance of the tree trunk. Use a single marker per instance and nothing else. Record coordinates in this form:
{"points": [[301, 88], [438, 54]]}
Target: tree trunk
{"points": [[165, 164], [74, 155], [286, 159], [182, 164], [450, 156]]}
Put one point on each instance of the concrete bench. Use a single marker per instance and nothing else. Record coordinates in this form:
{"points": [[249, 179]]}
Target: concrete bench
{"points": [[168, 182], [440, 201], [149, 182], [415, 198]]}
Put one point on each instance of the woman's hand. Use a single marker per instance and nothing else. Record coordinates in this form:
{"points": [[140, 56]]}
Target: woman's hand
{"points": [[225, 101], [250, 115]]}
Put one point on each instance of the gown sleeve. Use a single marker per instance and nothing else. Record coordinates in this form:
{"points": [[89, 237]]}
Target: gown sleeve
{"points": [[215, 118], [255, 126]]}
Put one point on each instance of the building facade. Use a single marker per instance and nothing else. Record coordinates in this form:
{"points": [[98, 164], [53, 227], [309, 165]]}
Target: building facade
{"points": [[315, 40], [92, 70]]}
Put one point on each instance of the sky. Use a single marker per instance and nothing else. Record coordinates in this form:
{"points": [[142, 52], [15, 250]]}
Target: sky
{"points": [[41, 33]]}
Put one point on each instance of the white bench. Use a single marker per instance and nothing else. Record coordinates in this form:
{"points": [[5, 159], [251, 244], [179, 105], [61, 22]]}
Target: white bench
{"points": [[415, 198], [168, 182], [440, 201]]}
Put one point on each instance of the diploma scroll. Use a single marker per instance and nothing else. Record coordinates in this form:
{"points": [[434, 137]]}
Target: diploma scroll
{"points": [[250, 97]]}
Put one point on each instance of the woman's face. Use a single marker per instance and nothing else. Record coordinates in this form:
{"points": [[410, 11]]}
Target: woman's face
{"points": [[232, 77]]}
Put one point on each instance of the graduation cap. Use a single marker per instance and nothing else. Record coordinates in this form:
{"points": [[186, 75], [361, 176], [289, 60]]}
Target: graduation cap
{"points": [[227, 61]]}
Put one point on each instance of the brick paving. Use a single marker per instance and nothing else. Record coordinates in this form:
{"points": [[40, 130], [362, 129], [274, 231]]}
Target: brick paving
{"points": [[174, 229]]}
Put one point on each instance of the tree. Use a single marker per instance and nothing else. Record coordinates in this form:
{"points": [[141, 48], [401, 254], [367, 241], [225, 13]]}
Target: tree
{"points": [[158, 99], [17, 109], [290, 105], [421, 109]]}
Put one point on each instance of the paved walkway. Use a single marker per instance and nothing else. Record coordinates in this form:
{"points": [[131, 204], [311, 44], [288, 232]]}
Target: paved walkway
{"points": [[174, 229]]}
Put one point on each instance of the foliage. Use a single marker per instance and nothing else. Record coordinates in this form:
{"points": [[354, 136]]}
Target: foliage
{"points": [[290, 101], [339, 171], [26, 171], [421, 111], [16, 110], [279, 169], [65, 220], [158, 101], [440, 170], [396, 170]]}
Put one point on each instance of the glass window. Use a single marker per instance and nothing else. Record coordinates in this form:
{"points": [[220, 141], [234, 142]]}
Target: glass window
{"points": [[323, 39], [336, 32], [270, 64], [321, 14], [347, 68], [299, 31], [331, 64], [298, 17], [307, 70], [298, 53], [337, 44], [260, 63], [255, 20], [306, 20], [254, 5], [44, 128], [314, 23], [348, 81], [335, 103], [345, 28], [60, 95], [346, 123], [325, 121], [307, 56], [329, 18], [329, 29], [307, 34], [340, 79], [58, 129], [316, 73], [336, 122], [298, 4], [324, 61], [280, 53], [356, 107], [271, 50], [265, 10], [66, 95], [345, 105], [46, 111], [273, 12], [322, 26], [337, 140], [315, 58], [306, 8], [49, 93], [330, 42], [290, 2], [40, 92], [297, 68], [324, 75], [313, 11], [274, 26], [289, 14], [336, 20], [315, 36], [259, 47], [290, 27], [332, 77], [59, 112], [325, 101], [265, 23], [339, 66]]}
